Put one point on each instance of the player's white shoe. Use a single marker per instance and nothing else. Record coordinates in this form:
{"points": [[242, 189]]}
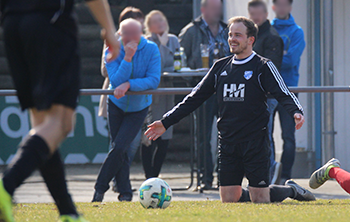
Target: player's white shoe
{"points": [[320, 176]]}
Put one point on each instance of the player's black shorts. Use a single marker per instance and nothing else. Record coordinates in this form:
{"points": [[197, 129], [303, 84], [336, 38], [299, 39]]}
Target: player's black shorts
{"points": [[250, 159], [43, 59]]}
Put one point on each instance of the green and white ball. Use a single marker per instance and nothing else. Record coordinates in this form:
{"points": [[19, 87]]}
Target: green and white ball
{"points": [[155, 193]]}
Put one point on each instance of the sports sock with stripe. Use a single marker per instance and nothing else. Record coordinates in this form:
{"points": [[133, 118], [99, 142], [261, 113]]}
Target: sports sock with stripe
{"points": [[278, 193]]}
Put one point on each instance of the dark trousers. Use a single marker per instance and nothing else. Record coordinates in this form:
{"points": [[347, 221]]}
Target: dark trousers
{"points": [[210, 108], [288, 136], [153, 157], [124, 127]]}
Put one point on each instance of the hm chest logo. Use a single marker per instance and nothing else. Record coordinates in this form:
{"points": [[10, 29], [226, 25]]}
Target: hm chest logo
{"points": [[233, 92]]}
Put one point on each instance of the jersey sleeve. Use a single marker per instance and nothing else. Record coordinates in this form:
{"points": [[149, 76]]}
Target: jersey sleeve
{"points": [[272, 83], [204, 89]]}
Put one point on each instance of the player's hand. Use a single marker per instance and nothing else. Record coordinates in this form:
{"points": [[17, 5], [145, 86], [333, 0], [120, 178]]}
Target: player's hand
{"points": [[112, 43], [155, 130], [299, 120], [130, 50], [120, 91]]}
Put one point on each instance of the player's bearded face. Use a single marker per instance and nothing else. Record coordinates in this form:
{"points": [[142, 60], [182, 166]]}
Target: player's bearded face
{"points": [[238, 39], [237, 47]]}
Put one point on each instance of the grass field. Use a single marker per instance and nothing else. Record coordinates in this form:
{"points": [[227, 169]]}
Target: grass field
{"points": [[321, 210]]}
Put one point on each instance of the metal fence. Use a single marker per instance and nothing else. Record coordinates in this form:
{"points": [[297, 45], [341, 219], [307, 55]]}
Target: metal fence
{"points": [[186, 90], [183, 91]]}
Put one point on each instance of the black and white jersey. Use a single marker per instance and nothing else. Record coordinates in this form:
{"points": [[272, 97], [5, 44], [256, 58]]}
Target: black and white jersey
{"points": [[241, 88]]}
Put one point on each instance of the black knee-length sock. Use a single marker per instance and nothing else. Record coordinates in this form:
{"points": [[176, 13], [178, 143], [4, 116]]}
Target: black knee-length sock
{"points": [[54, 177], [278, 193], [32, 155]]}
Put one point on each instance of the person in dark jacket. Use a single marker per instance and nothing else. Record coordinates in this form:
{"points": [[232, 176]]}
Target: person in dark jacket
{"points": [[270, 45], [206, 29]]}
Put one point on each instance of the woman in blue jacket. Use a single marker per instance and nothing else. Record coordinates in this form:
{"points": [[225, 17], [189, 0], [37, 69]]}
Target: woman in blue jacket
{"points": [[136, 69]]}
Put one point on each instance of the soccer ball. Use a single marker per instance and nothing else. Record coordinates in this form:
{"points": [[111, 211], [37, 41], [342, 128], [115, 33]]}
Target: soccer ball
{"points": [[155, 193]]}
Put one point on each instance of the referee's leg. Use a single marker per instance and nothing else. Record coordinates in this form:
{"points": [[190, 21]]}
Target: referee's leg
{"points": [[53, 125]]}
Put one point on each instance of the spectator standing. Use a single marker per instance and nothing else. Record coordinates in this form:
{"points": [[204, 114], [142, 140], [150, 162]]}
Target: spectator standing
{"points": [[157, 30], [206, 29], [135, 13], [294, 44], [270, 45], [136, 69]]}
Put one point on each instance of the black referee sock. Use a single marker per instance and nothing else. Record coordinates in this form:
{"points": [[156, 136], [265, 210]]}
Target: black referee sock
{"points": [[54, 177], [32, 155], [278, 193]]}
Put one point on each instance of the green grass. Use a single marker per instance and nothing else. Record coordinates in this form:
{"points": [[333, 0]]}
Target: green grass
{"points": [[321, 210]]}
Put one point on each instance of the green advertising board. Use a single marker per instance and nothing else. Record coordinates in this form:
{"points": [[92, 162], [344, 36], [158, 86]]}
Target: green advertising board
{"points": [[87, 143]]}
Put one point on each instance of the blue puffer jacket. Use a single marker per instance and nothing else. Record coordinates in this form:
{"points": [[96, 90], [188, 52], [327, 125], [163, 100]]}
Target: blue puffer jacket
{"points": [[143, 73], [294, 44]]}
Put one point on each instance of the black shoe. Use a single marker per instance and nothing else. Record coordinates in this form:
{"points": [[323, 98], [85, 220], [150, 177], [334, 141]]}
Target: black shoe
{"points": [[301, 193], [98, 197], [125, 197]]}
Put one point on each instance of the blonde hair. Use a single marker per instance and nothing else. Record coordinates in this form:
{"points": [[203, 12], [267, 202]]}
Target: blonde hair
{"points": [[148, 20]]}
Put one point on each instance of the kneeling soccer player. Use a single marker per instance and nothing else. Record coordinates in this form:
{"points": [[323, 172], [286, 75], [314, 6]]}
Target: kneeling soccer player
{"points": [[241, 83]]}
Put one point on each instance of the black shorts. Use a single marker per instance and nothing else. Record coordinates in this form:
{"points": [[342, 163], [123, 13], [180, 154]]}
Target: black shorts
{"points": [[250, 159], [43, 59]]}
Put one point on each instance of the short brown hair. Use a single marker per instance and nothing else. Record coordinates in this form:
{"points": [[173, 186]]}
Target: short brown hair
{"points": [[252, 28], [257, 3], [131, 12]]}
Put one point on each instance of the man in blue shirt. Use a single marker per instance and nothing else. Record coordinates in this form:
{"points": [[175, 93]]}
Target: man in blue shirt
{"points": [[294, 44], [137, 68]]}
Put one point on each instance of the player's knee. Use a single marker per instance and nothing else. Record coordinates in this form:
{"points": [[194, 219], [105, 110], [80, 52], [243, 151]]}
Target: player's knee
{"points": [[230, 194], [229, 200], [260, 196]]}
